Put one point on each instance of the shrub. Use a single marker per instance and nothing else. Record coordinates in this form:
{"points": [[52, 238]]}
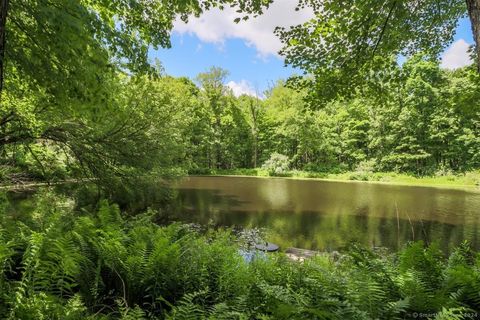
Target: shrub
{"points": [[277, 165], [358, 176], [473, 176], [367, 166], [200, 171]]}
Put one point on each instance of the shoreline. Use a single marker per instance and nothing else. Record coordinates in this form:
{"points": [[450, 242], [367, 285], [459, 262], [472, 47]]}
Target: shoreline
{"points": [[32, 184], [418, 183], [298, 175]]}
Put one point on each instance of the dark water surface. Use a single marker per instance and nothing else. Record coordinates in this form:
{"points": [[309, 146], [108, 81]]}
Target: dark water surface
{"points": [[327, 215]]}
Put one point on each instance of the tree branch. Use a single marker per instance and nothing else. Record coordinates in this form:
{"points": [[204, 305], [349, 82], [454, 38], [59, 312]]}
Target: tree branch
{"points": [[384, 27]]}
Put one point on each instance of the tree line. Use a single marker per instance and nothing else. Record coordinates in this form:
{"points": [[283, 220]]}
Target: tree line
{"points": [[419, 119], [79, 96]]}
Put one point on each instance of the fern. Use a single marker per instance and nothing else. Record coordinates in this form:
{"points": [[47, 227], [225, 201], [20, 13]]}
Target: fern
{"points": [[6, 253], [187, 309], [127, 313], [397, 309], [62, 264], [451, 314]]}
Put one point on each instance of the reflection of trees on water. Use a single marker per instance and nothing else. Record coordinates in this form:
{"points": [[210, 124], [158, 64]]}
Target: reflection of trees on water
{"points": [[325, 216], [332, 232], [366, 215]]}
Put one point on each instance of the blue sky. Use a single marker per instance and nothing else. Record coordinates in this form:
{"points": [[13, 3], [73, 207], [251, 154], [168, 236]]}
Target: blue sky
{"points": [[189, 56], [464, 31], [248, 50]]}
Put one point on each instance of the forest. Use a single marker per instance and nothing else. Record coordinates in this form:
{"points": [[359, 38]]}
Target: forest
{"points": [[82, 103], [424, 121]]}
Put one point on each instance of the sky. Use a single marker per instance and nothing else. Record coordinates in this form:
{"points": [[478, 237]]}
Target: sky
{"points": [[249, 49]]}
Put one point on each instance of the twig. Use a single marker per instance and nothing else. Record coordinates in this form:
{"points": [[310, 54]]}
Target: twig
{"points": [[124, 289], [39, 163], [424, 232], [384, 27], [398, 225], [411, 226]]}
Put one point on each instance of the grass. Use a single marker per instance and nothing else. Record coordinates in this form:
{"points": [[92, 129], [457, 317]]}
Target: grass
{"points": [[469, 179]]}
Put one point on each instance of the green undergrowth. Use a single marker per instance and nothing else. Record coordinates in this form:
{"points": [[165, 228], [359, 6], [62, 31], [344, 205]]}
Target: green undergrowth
{"points": [[469, 179], [59, 263]]}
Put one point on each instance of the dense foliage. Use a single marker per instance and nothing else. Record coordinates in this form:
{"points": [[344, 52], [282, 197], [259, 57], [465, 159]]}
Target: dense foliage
{"points": [[72, 83], [57, 263], [79, 99], [419, 119], [348, 40]]}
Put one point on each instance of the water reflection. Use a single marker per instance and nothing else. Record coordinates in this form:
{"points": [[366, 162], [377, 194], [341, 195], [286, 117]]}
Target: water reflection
{"points": [[327, 215]]}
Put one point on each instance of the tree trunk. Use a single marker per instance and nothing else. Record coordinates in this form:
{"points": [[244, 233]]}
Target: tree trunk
{"points": [[218, 145], [3, 23], [473, 7], [255, 151]]}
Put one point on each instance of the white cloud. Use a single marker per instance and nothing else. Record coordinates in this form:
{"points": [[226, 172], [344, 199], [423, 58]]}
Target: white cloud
{"points": [[456, 56], [216, 26], [242, 87]]}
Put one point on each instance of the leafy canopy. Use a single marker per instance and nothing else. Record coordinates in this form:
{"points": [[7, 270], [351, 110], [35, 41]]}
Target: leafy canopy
{"points": [[348, 40], [67, 68]]}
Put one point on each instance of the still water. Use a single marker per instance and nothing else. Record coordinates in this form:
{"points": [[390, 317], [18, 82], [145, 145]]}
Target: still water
{"points": [[327, 215]]}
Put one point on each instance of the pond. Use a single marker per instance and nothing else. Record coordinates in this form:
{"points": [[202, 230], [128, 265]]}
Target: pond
{"points": [[327, 215]]}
